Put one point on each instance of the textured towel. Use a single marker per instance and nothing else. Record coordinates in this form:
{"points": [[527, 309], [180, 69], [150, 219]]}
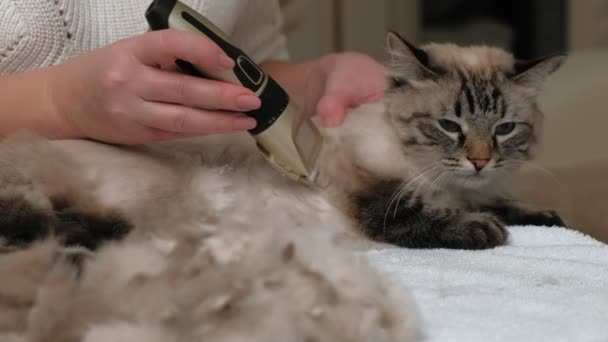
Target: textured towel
{"points": [[547, 284]]}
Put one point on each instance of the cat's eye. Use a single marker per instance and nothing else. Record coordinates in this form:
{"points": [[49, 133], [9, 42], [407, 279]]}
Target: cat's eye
{"points": [[505, 128], [450, 126]]}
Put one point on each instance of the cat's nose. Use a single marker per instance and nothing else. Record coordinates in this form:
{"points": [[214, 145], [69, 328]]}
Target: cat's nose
{"points": [[479, 164]]}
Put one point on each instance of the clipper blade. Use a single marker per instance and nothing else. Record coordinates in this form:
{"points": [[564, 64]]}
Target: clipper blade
{"points": [[293, 146], [314, 172]]}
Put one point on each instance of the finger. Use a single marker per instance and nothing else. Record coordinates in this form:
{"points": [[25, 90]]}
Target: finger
{"points": [[170, 67], [177, 88], [163, 47], [181, 119], [155, 134], [332, 110]]}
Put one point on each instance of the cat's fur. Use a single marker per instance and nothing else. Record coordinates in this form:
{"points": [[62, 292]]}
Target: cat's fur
{"points": [[201, 262], [213, 242]]}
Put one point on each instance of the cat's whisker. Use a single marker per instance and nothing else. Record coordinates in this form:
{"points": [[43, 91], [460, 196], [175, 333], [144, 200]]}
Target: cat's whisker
{"points": [[423, 174], [420, 176], [527, 163], [399, 197], [545, 171], [430, 188], [566, 201], [423, 184], [401, 190], [394, 196], [420, 185], [438, 179], [398, 193]]}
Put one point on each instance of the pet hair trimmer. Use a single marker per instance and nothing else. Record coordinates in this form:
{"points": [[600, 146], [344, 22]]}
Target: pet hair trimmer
{"points": [[288, 139]]}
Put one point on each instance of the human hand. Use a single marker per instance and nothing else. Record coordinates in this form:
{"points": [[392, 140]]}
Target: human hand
{"points": [[127, 92], [350, 80]]}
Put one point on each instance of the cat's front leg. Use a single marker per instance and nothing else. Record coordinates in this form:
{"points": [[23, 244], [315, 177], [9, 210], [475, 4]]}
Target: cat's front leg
{"points": [[410, 221], [516, 214]]}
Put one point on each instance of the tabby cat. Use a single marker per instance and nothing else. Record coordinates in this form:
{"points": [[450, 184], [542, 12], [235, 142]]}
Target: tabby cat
{"points": [[429, 165], [455, 126]]}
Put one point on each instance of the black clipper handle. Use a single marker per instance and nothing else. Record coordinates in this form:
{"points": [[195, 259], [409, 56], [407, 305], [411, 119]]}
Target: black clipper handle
{"points": [[164, 14]]}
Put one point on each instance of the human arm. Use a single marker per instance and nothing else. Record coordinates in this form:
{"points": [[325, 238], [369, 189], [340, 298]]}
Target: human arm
{"points": [[25, 103]]}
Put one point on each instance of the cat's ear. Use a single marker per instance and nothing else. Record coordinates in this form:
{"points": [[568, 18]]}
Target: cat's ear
{"points": [[407, 62], [532, 74]]}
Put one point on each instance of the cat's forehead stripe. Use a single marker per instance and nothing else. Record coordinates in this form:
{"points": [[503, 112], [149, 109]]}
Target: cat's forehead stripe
{"points": [[496, 96], [468, 93], [481, 96], [458, 108]]}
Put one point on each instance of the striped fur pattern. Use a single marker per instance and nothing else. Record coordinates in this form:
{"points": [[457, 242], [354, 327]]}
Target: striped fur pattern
{"points": [[465, 120]]}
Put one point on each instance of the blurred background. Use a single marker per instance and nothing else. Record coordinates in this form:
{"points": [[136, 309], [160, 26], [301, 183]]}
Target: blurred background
{"points": [[572, 171]]}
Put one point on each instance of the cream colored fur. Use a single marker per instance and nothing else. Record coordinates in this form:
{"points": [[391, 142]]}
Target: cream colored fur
{"points": [[221, 253]]}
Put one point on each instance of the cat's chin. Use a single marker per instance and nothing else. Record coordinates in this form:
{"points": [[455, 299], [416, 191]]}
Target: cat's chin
{"points": [[473, 180]]}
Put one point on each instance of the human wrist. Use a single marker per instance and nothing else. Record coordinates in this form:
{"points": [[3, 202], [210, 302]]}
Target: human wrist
{"points": [[58, 104], [26, 104]]}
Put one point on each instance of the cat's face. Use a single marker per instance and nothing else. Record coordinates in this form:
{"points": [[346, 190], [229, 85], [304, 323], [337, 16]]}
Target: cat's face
{"points": [[465, 115]]}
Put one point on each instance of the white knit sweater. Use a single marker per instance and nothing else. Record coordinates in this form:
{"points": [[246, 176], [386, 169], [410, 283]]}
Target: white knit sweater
{"points": [[35, 33]]}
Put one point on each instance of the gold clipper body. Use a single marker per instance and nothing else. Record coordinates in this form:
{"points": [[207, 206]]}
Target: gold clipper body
{"points": [[285, 136]]}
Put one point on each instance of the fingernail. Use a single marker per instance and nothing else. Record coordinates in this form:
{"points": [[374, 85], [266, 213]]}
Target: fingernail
{"points": [[248, 102], [226, 62], [244, 123]]}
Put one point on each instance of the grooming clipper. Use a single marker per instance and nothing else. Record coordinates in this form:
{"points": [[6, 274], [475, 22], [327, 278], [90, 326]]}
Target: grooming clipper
{"points": [[288, 139]]}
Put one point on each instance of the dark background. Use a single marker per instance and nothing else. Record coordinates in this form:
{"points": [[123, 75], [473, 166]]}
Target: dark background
{"points": [[535, 28]]}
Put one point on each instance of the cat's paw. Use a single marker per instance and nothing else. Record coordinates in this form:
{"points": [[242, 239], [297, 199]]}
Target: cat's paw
{"points": [[548, 218], [475, 231]]}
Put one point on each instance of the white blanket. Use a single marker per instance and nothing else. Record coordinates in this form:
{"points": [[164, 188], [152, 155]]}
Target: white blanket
{"points": [[547, 284]]}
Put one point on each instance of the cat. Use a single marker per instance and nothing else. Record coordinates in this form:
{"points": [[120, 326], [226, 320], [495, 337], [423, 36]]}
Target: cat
{"points": [[457, 125], [428, 165]]}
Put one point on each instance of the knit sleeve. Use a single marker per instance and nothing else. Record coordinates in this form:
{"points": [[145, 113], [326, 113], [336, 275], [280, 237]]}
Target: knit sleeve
{"points": [[259, 31], [255, 26]]}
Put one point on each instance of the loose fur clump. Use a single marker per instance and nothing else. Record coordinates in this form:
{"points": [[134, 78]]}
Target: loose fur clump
{"points": [[210, 275], [200, 239], [229, 285]]}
